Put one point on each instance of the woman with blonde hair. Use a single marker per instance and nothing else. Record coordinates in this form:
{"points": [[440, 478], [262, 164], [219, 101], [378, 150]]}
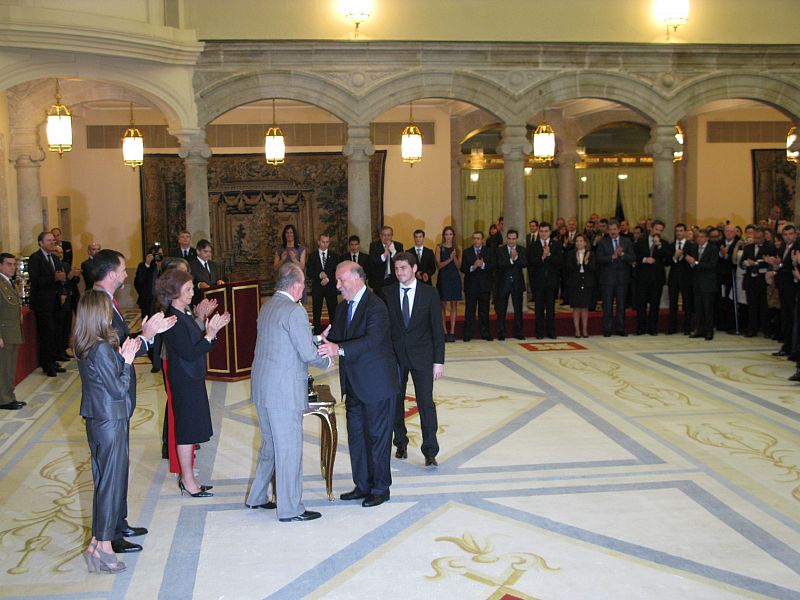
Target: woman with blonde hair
{"points": [[105, 369]]}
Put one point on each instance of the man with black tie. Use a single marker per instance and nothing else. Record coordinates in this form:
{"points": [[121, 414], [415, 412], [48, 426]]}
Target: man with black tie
{"points": [[477, 265], [679, 280], [726, 271], [321, 269], [86, 266], [360, 338], [651, 252], [184, 249], [511, 263], [784, 281], [415, 321], [533, 232], [426, 261], [615, 256], [545, 257], [704, 284], [354, 253], [754, 283], [110, 273], [204, 272], [46, 279], [381, 254]]}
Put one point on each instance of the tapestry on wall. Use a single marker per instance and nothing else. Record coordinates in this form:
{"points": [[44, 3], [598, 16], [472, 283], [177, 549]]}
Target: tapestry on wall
{"points": [[774, 183], [250, 203]]}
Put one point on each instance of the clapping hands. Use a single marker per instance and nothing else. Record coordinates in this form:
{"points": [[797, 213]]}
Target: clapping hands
{"points": [[129, 349], [205, 308], [215, 323], [155, 324]]}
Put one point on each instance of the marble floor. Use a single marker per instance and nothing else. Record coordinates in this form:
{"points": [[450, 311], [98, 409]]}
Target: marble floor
{"points": [[603, 468]]}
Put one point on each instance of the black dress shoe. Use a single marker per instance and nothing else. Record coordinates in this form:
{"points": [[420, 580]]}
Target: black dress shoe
{"points": [[375, 500], [155, 369], [430, 461], [796, 376], [487, 338], [466, 338], [606, 334], [622, 333], [501, 337], [124, 546], [132, 531], [709, 336], [309, 515], [520, 337], [58, 370], [354, 495], [12, 405], [697, 335], [401, 453], [269, 505], [780, 353]]}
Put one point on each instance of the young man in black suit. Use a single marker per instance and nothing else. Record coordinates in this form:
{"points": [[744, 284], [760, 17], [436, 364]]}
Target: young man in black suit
{"points": [[511, 263], [477, 266], [184, 248], [46, 279], [679, 280], [354, 253], [545, 258], [703, 262], [426, 261], [381, 254], [321, 269], [415, 321], [360, 338], [651, 252], [616, 256], [204, 272]]}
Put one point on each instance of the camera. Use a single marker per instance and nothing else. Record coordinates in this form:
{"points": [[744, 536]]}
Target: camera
{"points": [[155, 250]]}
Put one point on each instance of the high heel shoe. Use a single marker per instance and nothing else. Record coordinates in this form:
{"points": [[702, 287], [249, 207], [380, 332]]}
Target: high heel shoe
{"points": [[203, 488], [201, 494], [104, 563]]}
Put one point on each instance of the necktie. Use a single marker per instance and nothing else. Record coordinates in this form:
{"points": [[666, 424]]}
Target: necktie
{"points": [[680, 245], [185, 254], [324, 259], [388, 266], [208, 268], [616, 242], [700, 254], [406, 307], [50, 260], [478, 252], [755, 251], [116, 306], [355, 258], [419, 254], [546, 243], [350, 309]]}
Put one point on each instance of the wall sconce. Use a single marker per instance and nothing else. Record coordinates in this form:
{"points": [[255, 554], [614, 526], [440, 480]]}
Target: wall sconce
{"points": [[356, 11], [672, 13]]}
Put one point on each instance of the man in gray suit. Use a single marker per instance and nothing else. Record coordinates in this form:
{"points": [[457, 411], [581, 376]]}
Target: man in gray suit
{"points": [[284, 349]]}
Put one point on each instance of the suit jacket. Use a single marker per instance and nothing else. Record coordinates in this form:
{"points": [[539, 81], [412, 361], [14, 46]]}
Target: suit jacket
{"points": [[478, 280], [619, 270], [314, 268], [10, 328], [545, 273], [784, 277], [754, 275], [176, 252], [363, 260], [188, 346], [199, 274], [145, 284], [420, 345], [66, 247], [378, 267], [368, 366], [44, 288], [284, 351], [427, 264], [705, 269], [88, 275], [510, 275], [123, 333], [725, 265], [530, 238], [105, 383], [679, 270], [651, 274]]}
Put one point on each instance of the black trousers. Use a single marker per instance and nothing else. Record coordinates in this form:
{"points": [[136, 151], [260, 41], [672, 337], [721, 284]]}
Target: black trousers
{"points": [[501, 308], [610, 293], [683, 288], [108, 444], [648, 301], [757, 310], [47, 337], [704, 310], [473, 299], [316, 308], [788, 295], [369, 435], [544, 297], [423, 389]]}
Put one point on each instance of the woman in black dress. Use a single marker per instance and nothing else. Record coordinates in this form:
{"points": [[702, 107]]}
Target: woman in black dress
{"points": [[580, 271], [187, 345], [448, 282]]}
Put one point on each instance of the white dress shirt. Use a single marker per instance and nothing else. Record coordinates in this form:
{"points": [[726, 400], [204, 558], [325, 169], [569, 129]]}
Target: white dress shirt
{"points": [[411, 294]]}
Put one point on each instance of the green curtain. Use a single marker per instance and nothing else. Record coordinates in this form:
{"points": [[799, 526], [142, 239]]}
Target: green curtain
{"points": [[541, 182], [636, 194], [481, 202], [598, 194]]}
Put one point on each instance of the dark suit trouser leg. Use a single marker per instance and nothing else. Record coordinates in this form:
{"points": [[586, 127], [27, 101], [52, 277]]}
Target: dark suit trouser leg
{"points": [[539, 299], [483, 313], [788, 299], [470, 303], [8, 369], [550, 294], [516, 298], [400, 431], [46, 337], [607, 295], [673, 306], [620, 295], [423, 388], [642, 295], [377, 440], [287, 435], [360, 464], [316, 311], [653, 297], [501, 308], [266, 461], [687, 296], [331, 301], [108, 444]]}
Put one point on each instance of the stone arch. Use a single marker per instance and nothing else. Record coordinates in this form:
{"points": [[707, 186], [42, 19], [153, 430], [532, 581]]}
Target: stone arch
{"points": [[226, 94], [778, 93], [466, 87], [588, 124], [615, 87], [153, 92]]}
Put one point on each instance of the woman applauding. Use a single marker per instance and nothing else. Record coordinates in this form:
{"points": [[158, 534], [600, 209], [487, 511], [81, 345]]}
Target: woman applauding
{"points": [[105, 371], [187, 345]]}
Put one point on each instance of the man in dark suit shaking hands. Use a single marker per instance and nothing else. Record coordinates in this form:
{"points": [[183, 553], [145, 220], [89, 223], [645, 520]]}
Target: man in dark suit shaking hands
{"points": [[360, 338], [415, 320], [615, 256]]}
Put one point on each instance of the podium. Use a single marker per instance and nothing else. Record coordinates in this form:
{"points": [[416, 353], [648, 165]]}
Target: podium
{"points": [[231, 358]]}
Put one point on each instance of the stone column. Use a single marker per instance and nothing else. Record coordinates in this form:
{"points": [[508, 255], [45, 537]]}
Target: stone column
{"points": [[195, 154], [661, 146], [27, 156], [514, 148], [358, 151], [567, 185]]}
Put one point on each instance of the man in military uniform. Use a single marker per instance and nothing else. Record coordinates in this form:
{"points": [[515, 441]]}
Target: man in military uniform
{"points": [[10, 332]]}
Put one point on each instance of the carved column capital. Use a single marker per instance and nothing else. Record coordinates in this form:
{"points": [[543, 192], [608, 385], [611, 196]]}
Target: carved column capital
{"points": [[25, 145], [358, 145], [193, 144], [515, 144], [662, 142]]}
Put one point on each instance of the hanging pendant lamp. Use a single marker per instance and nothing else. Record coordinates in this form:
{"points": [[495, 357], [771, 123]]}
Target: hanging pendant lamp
{"points": [[544, 143], [274, 142], [677, 155], [59, 126], [411, 142], [132, 145], [791, 138]]}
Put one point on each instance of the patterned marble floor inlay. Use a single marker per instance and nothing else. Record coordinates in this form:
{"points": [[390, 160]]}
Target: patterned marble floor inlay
{"points": [[606, 468]]}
